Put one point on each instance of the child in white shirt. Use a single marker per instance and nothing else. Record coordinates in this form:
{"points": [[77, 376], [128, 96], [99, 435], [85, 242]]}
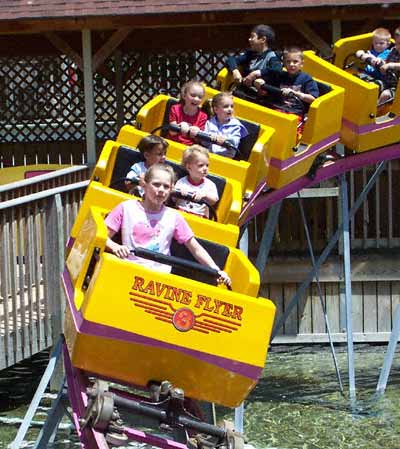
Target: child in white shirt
{"points": [[195, 160], [153, 150]]}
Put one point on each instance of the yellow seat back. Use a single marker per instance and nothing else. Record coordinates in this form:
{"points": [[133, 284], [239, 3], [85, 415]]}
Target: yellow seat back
{"points": [[344, 48], [248, 173]]}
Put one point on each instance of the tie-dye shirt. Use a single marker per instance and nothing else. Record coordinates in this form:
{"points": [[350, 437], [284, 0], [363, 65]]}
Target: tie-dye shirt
{"points": [[149, 230]]}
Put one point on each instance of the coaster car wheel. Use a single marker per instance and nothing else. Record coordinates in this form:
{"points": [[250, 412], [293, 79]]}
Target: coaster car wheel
{"points": [[100, 409], [234, 440], [231, 439]]}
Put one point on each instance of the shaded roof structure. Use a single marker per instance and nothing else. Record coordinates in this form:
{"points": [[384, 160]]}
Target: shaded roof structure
{"points": [[48, 9], [37, 15]]}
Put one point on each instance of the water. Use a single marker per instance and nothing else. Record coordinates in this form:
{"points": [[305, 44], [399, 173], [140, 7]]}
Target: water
{"points": [[297, 404]]}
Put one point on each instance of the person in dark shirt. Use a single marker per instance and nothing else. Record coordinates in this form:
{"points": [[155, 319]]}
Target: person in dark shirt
{"points": [[290, 90], [252, 63]]}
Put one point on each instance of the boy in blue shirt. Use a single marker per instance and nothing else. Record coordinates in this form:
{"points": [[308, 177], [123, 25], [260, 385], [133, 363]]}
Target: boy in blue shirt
{"points": [[391, 70], [377, 54], [292, 89]]}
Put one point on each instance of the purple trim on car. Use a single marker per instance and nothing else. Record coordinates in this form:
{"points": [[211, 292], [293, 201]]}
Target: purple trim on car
{"points": [[256, 205], [101, 330], [77, 385], [287, 163], [370, 127], [70, 242]]}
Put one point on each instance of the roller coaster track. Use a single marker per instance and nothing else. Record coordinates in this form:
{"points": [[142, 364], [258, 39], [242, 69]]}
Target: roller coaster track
{"points": [[262, 199]]}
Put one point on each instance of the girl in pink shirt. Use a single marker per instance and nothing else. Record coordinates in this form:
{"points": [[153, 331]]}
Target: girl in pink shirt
{"points": [[151, 225]]}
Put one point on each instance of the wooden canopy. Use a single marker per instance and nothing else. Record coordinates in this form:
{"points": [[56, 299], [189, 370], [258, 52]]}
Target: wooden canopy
{"points": [[36, 16]]}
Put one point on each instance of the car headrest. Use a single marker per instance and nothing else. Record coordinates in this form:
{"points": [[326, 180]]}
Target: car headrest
{"points": [[126, 157], [218, 252], [247, 143]]}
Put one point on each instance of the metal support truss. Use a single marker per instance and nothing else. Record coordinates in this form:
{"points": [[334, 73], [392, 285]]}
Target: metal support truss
{"points": [[54, 358], [343, 230]]}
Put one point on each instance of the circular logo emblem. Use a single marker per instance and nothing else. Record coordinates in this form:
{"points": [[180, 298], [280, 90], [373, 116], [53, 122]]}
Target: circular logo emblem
{"points": [[183, 319]]}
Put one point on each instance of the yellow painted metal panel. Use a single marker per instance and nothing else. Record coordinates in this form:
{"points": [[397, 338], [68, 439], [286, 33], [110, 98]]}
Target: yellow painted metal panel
{"points": [[144, 302], [98, 195], [132, 363], [20, 172], [285, 159], [346, 47], [362, 128], [132, 311], [249, 174], [361, 97], [229, 205], [131, 136]]}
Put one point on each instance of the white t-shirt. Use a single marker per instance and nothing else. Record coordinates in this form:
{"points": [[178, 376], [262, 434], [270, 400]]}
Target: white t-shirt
{"points": [[207, 187], [153, 231], [134, 172]]}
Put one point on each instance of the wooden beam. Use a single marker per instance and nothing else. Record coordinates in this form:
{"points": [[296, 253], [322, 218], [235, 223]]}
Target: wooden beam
{"points": [[107, 73], [285, 270], [119, 88], [312, 37], [64, 48], [368, 26], [134, 68], [316, 192], [238, 18], [336, 30], [89, 97], [358, 337], [112, 43]]}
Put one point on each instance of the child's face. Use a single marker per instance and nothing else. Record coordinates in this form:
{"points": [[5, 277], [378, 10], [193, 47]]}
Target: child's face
{"points": [[157, 189], [198, 168], [293, 63], [224, 110], [155, 156], [380, 44], [193, 96], [257, 43]]}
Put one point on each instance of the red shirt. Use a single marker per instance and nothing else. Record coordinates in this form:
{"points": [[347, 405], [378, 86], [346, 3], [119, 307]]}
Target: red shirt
{"points": [[177, 115]]}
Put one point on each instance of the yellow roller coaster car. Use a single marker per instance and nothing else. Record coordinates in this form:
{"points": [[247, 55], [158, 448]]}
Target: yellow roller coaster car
{"points": [[130, 324], [287, 157], [117, 158], [248, 170], [99, 193], [362, 127], [20, 172]]}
